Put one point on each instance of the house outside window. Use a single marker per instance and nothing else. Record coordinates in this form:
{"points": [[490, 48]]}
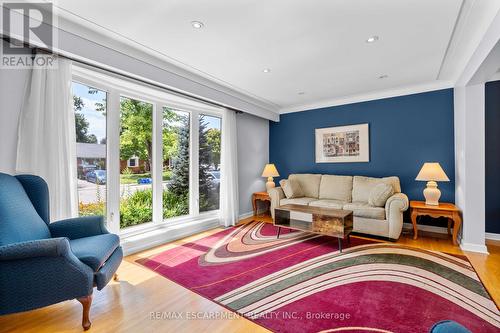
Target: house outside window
{"points": [[133, 162]]}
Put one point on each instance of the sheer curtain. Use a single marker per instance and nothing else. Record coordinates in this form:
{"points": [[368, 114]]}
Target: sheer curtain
{"points": [[46, 140], [229, 170]]}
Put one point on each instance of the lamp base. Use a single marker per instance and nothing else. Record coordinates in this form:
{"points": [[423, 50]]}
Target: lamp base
{"points": [[432, 194], [270, 183]]}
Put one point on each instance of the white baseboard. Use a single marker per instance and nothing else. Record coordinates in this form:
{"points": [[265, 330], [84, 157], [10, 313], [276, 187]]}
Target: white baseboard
{"points": [[245, 215], [481, 248], [430, 228], [492, 236]]}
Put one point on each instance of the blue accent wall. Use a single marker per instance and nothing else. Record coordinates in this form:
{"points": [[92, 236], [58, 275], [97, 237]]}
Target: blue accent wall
{"points": [[492, 142], [405, 132]]}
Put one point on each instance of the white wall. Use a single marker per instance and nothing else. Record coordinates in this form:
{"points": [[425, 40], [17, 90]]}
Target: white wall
{"points": [[12, 85], [470, 164], [253, 154]]}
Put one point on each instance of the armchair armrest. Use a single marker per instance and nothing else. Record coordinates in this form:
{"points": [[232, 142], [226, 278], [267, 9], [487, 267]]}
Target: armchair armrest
{"points": [[276, 194], [39, 273], [78, 227], [52, 247]]}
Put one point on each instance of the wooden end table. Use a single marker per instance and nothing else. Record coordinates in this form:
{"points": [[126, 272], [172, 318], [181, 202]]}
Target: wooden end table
{"points": [[262, 196], [448, 210]]}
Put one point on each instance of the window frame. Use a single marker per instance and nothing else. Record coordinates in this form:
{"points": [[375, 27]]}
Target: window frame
{"points": [[117, 87]]}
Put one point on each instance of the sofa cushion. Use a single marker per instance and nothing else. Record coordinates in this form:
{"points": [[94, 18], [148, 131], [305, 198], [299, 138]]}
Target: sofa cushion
{"points": [[362, 209], [328, 203], [379, 195], [95, 250], [336, 187], [291, 188], [362, 186], [297, 201], [309, 183]]}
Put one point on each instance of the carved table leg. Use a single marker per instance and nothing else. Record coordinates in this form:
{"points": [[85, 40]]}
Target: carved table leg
{"points": [[456, 226], [86, 302], [254, 206], [414, 215]]}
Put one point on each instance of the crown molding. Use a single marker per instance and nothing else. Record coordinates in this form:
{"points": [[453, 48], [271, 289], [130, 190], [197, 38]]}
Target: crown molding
{"points": [[495, 77], [198, 83], [484, 61], [409, 90]]}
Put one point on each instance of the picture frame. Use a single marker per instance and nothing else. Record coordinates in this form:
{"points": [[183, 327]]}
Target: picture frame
{"points": [[343, 144]]}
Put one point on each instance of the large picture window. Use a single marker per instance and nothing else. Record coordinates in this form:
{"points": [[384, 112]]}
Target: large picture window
{"points": [[136, 144], [209, 162], [176, 162], [145, 156], [89, 105]]}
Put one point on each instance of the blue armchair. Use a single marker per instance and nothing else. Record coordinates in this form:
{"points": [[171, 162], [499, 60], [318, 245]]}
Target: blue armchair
{"points": [[43, 263]]}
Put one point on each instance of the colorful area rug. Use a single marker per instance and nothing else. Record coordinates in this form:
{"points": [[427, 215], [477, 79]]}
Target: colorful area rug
{"points": [[301, 283]]}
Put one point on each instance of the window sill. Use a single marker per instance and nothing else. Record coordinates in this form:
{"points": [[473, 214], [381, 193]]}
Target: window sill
{"points": [[149, 235], [167, 223]]}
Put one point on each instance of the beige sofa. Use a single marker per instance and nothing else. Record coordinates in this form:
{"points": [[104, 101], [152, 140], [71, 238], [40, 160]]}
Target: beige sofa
{"points": [[350, 193]]}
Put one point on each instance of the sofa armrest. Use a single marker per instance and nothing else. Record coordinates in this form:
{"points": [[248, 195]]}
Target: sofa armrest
{"points": [[276, 194], [400, 200], [394, 208], [78, 227]]}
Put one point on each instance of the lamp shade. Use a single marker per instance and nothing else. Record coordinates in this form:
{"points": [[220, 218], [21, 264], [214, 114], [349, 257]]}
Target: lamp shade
{"points": [[270, 171], [432, 172]]}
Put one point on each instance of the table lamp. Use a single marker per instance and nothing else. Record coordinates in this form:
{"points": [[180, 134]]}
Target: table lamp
{"points": [[270, 172], [432, 173]]}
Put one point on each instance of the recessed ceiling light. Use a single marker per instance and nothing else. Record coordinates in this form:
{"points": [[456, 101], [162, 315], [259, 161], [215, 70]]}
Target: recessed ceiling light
{"points": [[301, 93], [197, 24], [266, 70], [372, 39], [385, 76]]}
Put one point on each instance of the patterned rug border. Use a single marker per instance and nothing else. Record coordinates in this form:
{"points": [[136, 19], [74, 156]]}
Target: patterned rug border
{"points": [[142, 261]]}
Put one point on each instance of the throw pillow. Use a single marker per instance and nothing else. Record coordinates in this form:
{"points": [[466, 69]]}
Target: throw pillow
{"points": [[291, 188], [379, 194]]}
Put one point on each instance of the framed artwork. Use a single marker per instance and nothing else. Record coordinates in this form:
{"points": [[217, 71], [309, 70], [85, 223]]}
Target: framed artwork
{"points": [[343, 144]]}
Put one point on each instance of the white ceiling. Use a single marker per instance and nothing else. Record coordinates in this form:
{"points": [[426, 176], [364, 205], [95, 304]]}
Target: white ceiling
{"points": [[316, 47]]}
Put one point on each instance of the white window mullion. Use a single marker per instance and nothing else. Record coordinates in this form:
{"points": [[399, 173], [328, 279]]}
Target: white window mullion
{"points": [[194, 202], [157, 172], [113, 161]]}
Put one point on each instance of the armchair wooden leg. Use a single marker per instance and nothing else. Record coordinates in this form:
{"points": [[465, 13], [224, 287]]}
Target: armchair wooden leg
{"points": [[116, 277], [86, 302]]}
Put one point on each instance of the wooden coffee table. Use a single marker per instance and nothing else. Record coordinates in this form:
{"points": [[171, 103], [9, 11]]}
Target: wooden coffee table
{"points": [[323, 221]]}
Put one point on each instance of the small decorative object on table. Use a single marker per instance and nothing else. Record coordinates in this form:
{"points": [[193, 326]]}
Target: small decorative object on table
{"points": [[262, 196], [448, 210], [270, 172], [432, 173]]}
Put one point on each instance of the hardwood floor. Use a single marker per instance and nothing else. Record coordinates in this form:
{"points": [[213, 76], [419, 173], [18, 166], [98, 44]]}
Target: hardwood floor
{"points": [[128, 305]]}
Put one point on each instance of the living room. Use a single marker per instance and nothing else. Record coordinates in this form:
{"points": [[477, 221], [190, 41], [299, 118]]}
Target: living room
{"points": [[287, 166]]}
